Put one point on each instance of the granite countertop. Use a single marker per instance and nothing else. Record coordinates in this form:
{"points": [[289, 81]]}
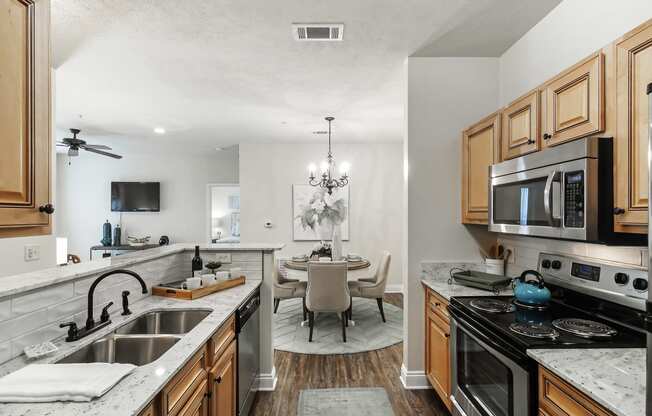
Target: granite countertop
{"points": [[435, 275], [12, 285], [135, 391], [614, 378]]}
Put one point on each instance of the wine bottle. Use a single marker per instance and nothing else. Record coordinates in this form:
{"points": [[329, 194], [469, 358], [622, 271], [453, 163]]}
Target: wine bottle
{"points": [[197, 263]]}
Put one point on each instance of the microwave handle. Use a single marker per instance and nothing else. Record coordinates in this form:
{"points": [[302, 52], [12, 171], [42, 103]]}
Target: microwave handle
{"points": [[548, 198]]}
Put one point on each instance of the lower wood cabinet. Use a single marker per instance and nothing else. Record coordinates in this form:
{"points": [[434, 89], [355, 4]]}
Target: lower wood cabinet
{"points": [[438, 369], [207, 384], [558, 398], [223, 383]]}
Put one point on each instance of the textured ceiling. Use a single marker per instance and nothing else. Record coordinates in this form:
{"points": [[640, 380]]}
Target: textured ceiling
{"points": [[221, 72]]}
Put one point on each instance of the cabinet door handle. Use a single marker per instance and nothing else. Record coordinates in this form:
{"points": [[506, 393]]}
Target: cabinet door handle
{"points": [[218, 380], [47, 208], [618, 211], [530, 141], [546, 136]]}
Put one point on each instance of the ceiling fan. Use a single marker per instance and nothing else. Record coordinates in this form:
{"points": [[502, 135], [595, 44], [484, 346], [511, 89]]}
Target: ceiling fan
{"points": [[74, 144]]}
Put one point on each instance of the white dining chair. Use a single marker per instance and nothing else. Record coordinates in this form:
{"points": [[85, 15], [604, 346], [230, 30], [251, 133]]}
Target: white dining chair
{"points": [[327, 291], [374, 287]]}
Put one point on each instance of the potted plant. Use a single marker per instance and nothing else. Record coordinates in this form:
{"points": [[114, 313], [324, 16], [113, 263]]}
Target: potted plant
{"points": [[213, 265]]}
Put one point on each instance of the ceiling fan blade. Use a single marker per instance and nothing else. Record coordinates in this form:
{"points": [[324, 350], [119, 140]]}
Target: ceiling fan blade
{"points": [[98, 146], [62, 144], [99, 152]]}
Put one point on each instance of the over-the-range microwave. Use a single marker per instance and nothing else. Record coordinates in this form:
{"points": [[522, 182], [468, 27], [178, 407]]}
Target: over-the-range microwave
{"points": [[563, 192]]}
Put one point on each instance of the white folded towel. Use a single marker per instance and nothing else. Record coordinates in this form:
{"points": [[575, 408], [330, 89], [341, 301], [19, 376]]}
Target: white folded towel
{"points": [[38, 383]]}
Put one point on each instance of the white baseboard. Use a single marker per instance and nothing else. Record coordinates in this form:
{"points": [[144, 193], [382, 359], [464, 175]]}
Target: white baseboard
{"points": [[395, 288], [267, 382], [414, 380]]}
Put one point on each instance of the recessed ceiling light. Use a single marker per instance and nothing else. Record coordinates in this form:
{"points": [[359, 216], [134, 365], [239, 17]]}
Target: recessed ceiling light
{"points": [[159, 130]]}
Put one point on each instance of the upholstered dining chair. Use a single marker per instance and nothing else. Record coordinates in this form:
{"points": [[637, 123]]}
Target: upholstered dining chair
{"points": [[327, 291], [285, 288], [374, 287]]}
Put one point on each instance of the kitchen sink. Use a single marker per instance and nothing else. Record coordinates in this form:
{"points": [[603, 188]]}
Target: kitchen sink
{"points": [[131, 349], [164, 322]]}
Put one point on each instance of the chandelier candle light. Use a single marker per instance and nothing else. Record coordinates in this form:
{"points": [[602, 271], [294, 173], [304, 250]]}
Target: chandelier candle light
{"points": [[326, 179]]}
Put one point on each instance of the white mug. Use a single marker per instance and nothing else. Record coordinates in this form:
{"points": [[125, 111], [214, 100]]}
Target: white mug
{"points": [[222, 275], [208, 279], [193, 283]]}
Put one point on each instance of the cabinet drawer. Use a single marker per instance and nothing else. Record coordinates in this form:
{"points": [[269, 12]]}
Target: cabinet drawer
{"points": [[178, 391], [557, 398], [220, 341], [438, 305], [149, 411]]}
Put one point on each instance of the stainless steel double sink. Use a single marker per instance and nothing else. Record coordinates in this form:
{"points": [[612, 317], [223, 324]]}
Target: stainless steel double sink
{"points": [[140, 341]]}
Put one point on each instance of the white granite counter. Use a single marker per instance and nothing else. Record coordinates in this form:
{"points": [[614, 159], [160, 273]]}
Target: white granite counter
{"points": [[12, 285], [136, 390], [614, 378], [435, 275]]}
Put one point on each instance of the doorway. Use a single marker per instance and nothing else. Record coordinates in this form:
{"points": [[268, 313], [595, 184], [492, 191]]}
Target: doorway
{"points": [[223, 219]]}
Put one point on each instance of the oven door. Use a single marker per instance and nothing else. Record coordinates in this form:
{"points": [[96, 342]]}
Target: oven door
{"points": [[533, 202], [485, 380]]}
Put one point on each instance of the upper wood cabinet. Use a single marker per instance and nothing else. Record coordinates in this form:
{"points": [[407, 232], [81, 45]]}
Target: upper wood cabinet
{"points": [[480, 149], [574, 102], [633, 74], [520, 127], [24, 117]]}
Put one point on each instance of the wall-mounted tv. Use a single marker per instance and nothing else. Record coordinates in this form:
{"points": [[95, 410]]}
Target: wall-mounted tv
{"points": [[135, 197]]}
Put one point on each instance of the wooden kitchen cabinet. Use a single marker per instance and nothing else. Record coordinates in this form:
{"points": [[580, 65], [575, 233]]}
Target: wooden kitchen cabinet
{"points": [[574, 102], [480, 149], [437, 346], [25, 117], [223, 383], [558, 398], [183, 387], [633, 74], [521, 127], [197, 405]]}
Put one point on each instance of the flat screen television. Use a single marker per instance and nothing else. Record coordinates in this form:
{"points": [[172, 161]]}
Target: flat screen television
{"points": [[135, 197]]}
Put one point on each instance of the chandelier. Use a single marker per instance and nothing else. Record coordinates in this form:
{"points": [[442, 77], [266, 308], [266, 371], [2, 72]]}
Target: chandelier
{"points": [[326, 179]]}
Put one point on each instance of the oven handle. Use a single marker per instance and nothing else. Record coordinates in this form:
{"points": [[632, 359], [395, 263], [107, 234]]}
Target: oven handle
{"points": [[548, 196], [521, 361]]}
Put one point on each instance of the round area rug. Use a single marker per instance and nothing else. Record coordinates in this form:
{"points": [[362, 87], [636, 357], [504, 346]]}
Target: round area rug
{"points": [[369, 332]]}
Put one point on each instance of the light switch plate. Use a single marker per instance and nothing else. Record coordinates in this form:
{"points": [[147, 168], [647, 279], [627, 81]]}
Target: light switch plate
{"points": [[32, 252]]}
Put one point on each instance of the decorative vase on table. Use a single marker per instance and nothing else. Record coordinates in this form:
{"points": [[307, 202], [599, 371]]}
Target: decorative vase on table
{"points": [[336, 244], [117, 236], [106, 234]]}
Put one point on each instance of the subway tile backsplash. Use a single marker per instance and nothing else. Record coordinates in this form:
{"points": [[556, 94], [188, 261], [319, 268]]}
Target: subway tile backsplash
{"points": [[525, 252], [34, 317]]}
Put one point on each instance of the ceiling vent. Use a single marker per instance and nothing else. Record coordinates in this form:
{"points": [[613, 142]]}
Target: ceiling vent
{"points": [[317, 32]]}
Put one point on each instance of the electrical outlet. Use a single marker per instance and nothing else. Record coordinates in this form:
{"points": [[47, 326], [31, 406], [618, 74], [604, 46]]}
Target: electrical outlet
{"points": [[32, 252]]}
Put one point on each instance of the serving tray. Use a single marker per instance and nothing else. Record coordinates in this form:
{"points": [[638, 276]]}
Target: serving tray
{"points": [[175, 290]]}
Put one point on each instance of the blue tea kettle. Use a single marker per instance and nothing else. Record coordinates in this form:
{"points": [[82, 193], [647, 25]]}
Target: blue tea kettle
{"points": [[532, 292]]}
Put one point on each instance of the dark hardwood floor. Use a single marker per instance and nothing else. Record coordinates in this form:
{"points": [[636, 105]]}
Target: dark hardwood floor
{"points": [[380, 368]]}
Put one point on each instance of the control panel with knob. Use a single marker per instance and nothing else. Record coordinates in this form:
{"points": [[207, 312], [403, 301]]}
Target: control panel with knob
{"points": [[545, 263], [556, 264], [621, 278], [640, 284]]}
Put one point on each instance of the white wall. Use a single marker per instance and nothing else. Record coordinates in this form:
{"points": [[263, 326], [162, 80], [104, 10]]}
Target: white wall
{"points": [[571, 31], [445, 95], [268, 171], [84, 194]]}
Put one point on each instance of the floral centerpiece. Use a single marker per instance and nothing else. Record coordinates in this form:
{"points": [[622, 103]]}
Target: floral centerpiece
{"points": [[321, 249]]}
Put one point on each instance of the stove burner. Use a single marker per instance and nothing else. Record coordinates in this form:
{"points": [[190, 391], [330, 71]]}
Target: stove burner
{"points": [[524, 305], [492, 305], [533, 330], [584, 328]]}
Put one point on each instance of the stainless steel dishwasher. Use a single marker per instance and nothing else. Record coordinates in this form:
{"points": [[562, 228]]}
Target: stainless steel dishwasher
{"points": [[248, 332]]}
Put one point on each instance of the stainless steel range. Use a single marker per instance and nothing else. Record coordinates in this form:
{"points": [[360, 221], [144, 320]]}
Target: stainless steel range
{"points": [[594, 305]]}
